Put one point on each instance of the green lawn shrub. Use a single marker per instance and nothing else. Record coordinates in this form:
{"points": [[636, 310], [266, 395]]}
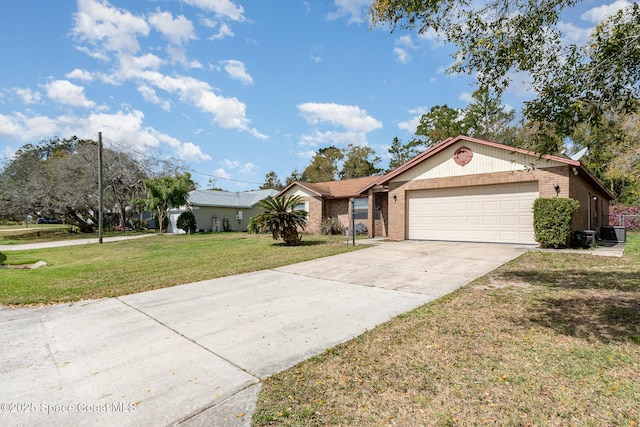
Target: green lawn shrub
{"points": [[187, 222], [552, 221]]}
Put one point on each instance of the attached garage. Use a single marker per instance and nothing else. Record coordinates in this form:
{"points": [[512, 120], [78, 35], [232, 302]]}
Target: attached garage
{"points": [[492, 213], [468, 189]]}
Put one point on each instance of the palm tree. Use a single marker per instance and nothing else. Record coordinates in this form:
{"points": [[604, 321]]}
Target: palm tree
{"points": [[282, 218]]}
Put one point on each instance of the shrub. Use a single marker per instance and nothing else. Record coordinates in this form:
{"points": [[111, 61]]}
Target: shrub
{"points": [[331, 226], [630, 216], [187, 222], [361, 229], [140, 224], [552, 221], [282, 219], [254, 227]]}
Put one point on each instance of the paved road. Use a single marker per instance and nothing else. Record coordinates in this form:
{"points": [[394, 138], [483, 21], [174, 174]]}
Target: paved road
{"points": [[72, 242], [196, 354]]}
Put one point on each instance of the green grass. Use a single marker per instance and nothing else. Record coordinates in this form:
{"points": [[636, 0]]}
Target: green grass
{"points": [[547, 339], [95, 271]]}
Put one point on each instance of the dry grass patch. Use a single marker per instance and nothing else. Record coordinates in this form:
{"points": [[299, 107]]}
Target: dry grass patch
{"points": [[548, 339]]}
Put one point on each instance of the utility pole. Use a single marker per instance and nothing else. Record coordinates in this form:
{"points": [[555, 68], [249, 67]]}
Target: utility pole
{"points": [[100, 207], [353, 221]]}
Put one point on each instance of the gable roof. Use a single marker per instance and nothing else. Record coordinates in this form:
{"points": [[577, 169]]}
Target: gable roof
{"points": [[335, 189], [442, 145], [245, 199]]}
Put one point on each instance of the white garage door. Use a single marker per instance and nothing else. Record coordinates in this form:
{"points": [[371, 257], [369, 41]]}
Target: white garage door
{"points": [[492, 213]]}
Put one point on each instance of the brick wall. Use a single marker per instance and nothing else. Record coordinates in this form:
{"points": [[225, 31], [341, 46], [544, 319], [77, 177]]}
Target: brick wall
{"points": [[337, 208], [315, 214]]}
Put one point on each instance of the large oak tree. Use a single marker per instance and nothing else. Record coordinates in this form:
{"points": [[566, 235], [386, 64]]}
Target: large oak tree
{"points": [[574, 83]]}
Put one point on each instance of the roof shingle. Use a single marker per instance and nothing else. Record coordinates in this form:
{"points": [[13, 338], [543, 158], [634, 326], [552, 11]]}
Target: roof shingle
{"points": [[246, 199]]}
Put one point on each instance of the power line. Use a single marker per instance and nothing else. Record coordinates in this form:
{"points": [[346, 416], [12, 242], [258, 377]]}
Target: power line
{"points": [[124, 147]]}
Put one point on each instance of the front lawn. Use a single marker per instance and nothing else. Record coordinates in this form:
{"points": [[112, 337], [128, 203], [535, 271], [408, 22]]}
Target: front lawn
{"points": [[95, 271], [547, 339]]}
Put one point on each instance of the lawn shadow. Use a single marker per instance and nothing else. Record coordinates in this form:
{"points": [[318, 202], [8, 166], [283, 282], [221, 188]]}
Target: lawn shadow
{"points": [[591, 304], [304, 243], [610, 318], [3, 258]]}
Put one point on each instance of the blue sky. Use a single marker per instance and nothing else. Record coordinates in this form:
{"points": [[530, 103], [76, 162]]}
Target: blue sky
{"points": [[234, 89]]}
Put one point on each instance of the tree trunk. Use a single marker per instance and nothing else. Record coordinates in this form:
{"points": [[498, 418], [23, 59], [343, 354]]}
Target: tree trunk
{"points": [[291, 236]]}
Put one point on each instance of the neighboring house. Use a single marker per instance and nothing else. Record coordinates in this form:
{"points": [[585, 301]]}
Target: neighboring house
{"points": [[221, 210], [467, 189], [331, 200]]}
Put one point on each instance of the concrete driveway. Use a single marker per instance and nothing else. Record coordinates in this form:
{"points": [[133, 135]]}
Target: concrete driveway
{"points": [[196, 354]]}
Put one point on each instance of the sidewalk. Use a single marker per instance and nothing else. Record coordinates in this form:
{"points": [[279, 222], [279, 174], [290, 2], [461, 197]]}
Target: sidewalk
{"points": [[43, 245], [611, 249]]}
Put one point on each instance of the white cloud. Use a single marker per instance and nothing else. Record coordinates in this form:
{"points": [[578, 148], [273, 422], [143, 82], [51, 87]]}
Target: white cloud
{"points": [[306, 154], [65, 92], [130, 66], [432, 37], [572, 34], [28, 96], [94, 54], [248, 167], [224, 9], [190, 152], [315, 55], [354, 9], [402, 47], [108, 27], [401, 55], [237, 71], [466, 97], [598, 14], [221, 173], [231, 164], [150, 95], [178, 30], [229, 113], [79, 74], [127, 127], [323, 139], [411, 125], [223, 32], [177, 54], [350, 117]]}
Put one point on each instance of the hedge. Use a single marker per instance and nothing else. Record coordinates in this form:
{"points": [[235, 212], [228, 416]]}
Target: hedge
{"points": [[552, 221]]}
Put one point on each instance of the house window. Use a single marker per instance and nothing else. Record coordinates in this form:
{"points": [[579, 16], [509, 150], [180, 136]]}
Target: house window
{"points": [[302, 207], [360, 208]]}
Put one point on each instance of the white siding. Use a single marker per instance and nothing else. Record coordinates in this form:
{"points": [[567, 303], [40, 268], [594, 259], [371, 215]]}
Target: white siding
{"points": [[298, 191], [486, 159]]}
